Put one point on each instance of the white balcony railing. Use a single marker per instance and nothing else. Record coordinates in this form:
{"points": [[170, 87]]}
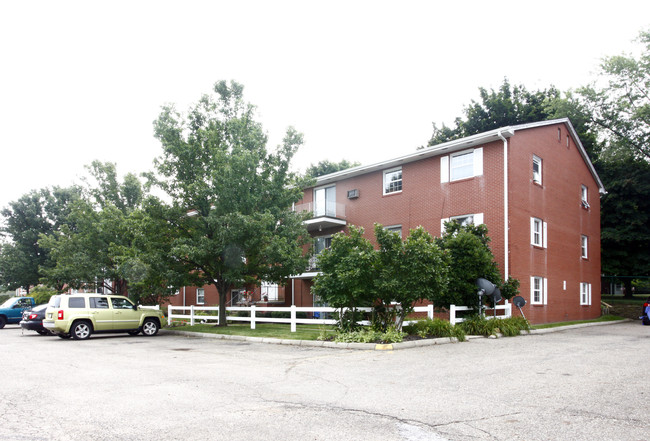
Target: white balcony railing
{"points": [[335, 210]]}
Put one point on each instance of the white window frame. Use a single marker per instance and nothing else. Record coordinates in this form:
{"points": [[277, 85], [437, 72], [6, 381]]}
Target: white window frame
{"points": [[447, 161], [585, 294], [538, 232], [584, 246], [477, 219], [537, 177], [538, 285], [328, 207], [395, 229], [584, 196], [387, 184], [200, 294]]}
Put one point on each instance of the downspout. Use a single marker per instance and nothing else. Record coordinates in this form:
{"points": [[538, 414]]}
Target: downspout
{"points": [[506, 269]]}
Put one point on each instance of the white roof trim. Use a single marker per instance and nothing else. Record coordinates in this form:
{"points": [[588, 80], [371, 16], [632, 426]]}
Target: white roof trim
{"points": [[460, 144]]}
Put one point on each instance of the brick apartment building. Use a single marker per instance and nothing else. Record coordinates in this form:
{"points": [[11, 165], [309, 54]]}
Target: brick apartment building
{"points": [[532, 185]]}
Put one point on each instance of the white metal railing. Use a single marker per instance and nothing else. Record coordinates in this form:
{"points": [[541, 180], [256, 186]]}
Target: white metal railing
{"points": [[331, 209], [180, 313], [453, 312]]}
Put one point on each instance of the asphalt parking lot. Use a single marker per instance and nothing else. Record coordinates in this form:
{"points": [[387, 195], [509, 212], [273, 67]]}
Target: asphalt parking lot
{"points": [[579, 384]]}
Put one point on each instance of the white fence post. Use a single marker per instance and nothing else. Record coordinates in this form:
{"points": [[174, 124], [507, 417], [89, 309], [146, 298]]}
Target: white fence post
{"points": [[508, 306], [252, 316], [191, 315], [293, 318], [452, 314], [169, 314], [430, 311]]}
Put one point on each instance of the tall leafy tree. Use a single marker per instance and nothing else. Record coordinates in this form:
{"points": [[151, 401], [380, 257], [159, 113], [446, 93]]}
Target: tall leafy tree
{"points": [[326, 167], [231, 199], [621, 108], [407, 271], [39, 212], [470, 257], [625, 216], [508, 105], [347, 274]]}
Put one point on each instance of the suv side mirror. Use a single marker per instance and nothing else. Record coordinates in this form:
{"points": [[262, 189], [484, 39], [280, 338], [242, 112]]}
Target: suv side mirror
{"points": [[135, 307]]}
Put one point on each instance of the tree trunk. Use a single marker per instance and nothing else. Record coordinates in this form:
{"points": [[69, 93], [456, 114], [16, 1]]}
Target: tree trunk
{"points": [[222, 289], [627, 284]]}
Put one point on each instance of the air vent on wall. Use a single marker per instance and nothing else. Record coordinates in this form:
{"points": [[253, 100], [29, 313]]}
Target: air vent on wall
{"points": [[353, 194]]}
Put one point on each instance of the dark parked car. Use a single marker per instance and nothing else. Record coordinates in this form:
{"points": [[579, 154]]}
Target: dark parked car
{"points": [[33, 319]]}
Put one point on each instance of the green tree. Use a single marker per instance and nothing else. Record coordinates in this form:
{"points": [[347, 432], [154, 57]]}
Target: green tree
{"points": [[86, 249], [347, 274], [507, 106], [406, 272], [326, 167], [621, 109], [469, 256], [39, 212], [625, 216], [231, 199]]}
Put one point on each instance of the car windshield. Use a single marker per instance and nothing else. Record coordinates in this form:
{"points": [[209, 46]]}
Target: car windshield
{"points": [[7, 303]]}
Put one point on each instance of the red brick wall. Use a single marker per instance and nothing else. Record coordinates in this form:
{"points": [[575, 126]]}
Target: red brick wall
{"points": [[425, 201]]}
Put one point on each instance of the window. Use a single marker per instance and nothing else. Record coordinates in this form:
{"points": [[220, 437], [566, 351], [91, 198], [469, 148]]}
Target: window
{"points": [[77, 302], [585, 294], [200, 296], [584, 195], [395, 229], [98, 303], [393, 181], [321, 243], [537, 170], [464, 219], [121, 303], [461, 165], [584, 240], [538, 230], [538, 291], [325, 201], [270, 291]]}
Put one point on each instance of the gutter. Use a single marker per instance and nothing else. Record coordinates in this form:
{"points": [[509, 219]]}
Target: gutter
{"points": [[506, 222]]}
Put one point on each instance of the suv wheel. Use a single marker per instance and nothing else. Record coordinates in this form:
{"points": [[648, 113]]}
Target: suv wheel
{"points": [[150, 327], [81, 330]]}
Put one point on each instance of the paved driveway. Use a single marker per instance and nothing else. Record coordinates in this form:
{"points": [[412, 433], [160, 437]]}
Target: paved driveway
{"points": [[581, 384]]}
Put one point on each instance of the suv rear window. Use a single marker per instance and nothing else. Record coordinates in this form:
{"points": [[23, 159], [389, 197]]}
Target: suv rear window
{"points": [[76, 302], [55, 301]]}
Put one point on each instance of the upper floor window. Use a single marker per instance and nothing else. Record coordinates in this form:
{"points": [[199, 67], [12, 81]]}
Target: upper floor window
{"points": [[585, 293], [584, 196], [584, 240], [200, 296], [393, 181], [461, 165], [325, 201], [538, 229], [538, 291], [537, 170]]}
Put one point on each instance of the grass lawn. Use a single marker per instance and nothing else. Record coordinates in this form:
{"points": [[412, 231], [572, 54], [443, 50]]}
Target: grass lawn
{"points": [[266, 330], [605, 318], [620, 300]]}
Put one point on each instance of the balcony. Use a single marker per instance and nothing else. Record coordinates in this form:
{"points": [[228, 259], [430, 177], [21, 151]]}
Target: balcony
{"points": [[330, 215]]}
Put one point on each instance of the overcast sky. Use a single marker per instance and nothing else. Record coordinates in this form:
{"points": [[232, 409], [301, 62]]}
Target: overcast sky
{"points": [[363, 80]]}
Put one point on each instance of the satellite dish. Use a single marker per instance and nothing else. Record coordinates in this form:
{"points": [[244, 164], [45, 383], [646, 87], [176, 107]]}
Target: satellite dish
{"points": [[496, 296], [485, 285], [519, 301]]}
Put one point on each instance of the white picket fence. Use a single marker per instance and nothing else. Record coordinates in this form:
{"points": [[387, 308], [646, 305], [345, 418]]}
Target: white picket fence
{"points": [[180, 313], [506, 308]]}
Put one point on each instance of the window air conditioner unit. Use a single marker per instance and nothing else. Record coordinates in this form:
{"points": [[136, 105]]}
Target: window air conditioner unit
{"points": [[353, 194]]}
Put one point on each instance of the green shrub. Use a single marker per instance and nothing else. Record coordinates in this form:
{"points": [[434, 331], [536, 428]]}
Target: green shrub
{"points": [[368, 335], [479, 325], [435, 328]]}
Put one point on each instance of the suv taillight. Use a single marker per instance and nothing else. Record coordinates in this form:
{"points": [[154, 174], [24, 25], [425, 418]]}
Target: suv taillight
{"points": [[60, 314]]}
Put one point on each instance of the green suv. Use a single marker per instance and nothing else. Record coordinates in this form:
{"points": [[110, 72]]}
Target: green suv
{"points": [[80, 315]]}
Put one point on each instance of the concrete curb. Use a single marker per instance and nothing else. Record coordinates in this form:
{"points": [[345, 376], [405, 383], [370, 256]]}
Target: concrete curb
{"points": [[375, 346]]}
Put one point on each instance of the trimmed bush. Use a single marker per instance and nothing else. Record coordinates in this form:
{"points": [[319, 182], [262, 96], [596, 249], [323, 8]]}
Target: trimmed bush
{"points": [[435, 328]]}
